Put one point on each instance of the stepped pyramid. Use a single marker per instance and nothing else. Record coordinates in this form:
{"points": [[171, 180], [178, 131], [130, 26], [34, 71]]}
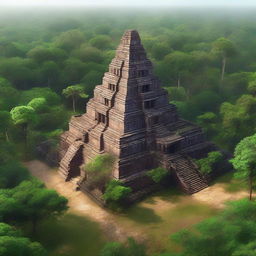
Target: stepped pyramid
{"points": [[130, 117]]}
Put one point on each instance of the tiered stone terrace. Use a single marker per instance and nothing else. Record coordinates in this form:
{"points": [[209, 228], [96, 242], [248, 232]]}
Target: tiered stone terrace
{"points": [[130, 117]]}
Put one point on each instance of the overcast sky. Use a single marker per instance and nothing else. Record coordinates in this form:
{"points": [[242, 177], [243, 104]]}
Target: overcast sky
{"points": [[132, 2]]}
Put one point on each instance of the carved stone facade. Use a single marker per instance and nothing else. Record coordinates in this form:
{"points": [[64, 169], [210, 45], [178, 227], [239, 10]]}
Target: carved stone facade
{"points": [[130, 117]]}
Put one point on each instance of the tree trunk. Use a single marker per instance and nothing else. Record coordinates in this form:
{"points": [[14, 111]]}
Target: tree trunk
{"points": [[34, 225], [250, 186], [48, 82], [178, 80], [188, 94], [74, 103], [224, 60], [25, 129], [7, 136]]}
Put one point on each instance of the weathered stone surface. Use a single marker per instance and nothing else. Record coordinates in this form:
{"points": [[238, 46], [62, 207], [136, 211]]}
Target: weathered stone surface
{"points": [[131, 118]]}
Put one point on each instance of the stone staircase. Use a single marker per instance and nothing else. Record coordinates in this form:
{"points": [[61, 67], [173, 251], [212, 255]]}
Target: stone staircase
{"points": [[66, 162], [188, 175]]}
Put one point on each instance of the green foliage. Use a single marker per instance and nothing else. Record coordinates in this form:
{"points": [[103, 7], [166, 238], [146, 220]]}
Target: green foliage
{"points": [[244, 160], [89, 54], [8, 152], [252, 87], [207, 101], [208, 122], [41, 54], [38, 104], [223, 235], [70, 39], [101, 42], [13, 244], [23, 115], [246, 250], [74, 91], [5, 123], [100, 163], [130, 248], [206, 164], [11, 174], [157, 174], [8, 95], [30, 201], [238, 119], [224, 47], [99, 170], [176, 93], [206, 118], [160, 50], [178, 63], [115, 191], [51, 97]]}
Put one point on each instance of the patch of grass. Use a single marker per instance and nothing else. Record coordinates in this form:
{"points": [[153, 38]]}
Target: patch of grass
{"points": [[170, 194], [70, 235], [163, 214], [232, 184], [184, 215], [143, 215]]}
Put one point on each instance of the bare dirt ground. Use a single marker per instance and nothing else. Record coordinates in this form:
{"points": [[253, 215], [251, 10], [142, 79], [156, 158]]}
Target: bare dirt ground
{"points": [[217, 196], [80, 204]]}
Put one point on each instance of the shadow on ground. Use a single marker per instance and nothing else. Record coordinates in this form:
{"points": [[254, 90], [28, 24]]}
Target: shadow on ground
{"points": [[71, 235], [143, 215]]}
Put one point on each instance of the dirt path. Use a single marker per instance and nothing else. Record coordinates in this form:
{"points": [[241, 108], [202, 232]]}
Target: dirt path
{"points": [[217, 196], [82, 205], [79, 203]]}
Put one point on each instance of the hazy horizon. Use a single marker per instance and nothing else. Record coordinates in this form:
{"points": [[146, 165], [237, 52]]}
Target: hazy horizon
{"points": [[145, 3]]}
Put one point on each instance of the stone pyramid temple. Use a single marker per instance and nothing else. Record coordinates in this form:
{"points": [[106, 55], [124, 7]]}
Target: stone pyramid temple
{"points": [[131, 118]]}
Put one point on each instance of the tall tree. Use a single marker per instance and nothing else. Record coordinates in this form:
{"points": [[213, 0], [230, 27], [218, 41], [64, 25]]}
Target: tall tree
{"points": [[226, 49], [38, 104], [244, 161], [5, 123], [11, 174], [178, 64], [30, 201], [74, 92], [222, 235], [23, 116], [13, 244]]}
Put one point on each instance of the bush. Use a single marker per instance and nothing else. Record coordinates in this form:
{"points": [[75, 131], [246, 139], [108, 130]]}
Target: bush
{"points": [[157, 174], [115, 191], [224, 235], [99, 171], [131, 248], [11, 174], [206, 164]]}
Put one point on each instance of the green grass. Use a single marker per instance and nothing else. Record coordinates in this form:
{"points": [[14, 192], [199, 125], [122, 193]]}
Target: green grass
{"points": [[70, 235], [155, 219], [159, 219], [232, 184]]}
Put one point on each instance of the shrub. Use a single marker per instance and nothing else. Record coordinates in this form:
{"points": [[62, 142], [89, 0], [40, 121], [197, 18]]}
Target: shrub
{"points": [[11, 174], [99, 170], [130, 248], [157, 174], [206, 164], [115, 191]]}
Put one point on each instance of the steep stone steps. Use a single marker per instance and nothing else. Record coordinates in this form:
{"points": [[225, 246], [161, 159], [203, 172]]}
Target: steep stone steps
{"points": [[65, 163], [188, 175]]}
